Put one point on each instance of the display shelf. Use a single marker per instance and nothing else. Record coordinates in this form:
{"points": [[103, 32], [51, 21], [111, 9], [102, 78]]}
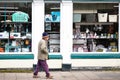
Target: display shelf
{"points": [[2, 46], [96, 32], [51, 22], [20, 38], [53, 32], [80, 41], [54, 37], [15, 22], [93, 23], [4, 38], [54, 43], [17, 33]]}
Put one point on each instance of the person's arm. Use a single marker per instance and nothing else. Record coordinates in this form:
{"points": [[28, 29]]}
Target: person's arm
{"points": [[44, 48]]}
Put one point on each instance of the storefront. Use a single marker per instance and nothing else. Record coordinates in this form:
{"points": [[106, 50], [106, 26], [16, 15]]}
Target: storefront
{"points": [[82, 33], [49, 20], [95, 34], [16, 34], [86, 35]]}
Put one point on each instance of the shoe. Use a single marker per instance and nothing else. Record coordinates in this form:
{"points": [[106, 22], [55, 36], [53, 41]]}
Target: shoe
{"points": [[35, 76], [49, 77]]}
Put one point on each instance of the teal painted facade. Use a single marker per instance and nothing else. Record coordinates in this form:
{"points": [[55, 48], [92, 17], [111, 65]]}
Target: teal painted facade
{"points": [[55, 56], [25, 56], [16, 56], [73, 56], [96, 56]]}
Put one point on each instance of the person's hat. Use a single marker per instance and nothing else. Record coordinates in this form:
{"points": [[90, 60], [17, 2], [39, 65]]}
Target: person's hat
{"points": [[45, 34]]}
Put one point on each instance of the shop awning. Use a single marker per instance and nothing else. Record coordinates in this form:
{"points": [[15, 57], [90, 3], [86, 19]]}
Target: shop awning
{"points": [[9, 1]]}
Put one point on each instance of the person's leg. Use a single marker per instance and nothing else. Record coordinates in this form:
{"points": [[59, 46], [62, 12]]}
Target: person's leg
{"points": [[37, 68], [45, 67]]}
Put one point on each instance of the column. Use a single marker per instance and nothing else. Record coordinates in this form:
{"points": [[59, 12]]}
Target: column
{"points": [[37, 25], [66, 33]]}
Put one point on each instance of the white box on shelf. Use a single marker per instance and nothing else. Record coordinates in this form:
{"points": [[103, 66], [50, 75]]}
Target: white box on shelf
{"points": [[15, 35], [102, 17], [112, 18]]}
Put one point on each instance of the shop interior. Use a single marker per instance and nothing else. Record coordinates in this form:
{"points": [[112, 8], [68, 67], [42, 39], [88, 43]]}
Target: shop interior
{"points": [[95, 27], [15, 27], [52, 26]]}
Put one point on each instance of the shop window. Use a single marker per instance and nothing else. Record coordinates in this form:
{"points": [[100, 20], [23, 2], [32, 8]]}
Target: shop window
{"points": [[95, 27], [15, 27], [52, 26]]}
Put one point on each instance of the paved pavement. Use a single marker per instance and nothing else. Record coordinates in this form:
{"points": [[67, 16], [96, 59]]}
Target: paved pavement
{"points": [[65, 75]]}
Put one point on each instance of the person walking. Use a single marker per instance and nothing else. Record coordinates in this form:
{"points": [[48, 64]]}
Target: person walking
{"points": [[42, 57]]}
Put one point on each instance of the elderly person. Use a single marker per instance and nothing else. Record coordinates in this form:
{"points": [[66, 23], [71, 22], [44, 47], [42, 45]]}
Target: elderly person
{"points": [[42, 57]]}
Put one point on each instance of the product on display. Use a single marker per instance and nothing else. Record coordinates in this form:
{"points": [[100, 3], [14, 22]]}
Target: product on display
{"points": [[90, 17], [75, 48], [15, 26], [102, 17], [25, 49], [100, 34], [48, 26], [52, 27], [1, 49], [111, 29], [48, 18], [112, 18], [76, 17], [55, 16], [54, 41], [15, 35], [20, 17], [28, 35], [13, 43], [55, 36], [54, 48]]}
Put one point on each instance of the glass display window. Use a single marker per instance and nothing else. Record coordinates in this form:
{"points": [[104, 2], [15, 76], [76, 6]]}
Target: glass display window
{"points": [[52, 26], [95, 27], [15, 27]]}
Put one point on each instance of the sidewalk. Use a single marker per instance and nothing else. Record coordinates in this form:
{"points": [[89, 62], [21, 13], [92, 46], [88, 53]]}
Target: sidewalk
{"points": [[65, 75]]}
